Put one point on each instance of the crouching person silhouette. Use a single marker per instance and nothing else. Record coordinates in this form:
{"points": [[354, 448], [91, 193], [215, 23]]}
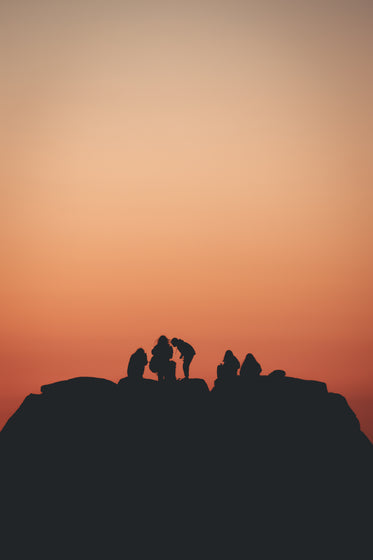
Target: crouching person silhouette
{"points": [[250, 368], [161, 362], [136, 365], [187, 354], [229, 368]]}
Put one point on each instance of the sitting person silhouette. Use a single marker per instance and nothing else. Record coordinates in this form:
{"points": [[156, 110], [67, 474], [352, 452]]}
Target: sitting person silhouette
{"points": [[136, 365], [250, 368], [161, 362], [229, 368], [187, 354]]}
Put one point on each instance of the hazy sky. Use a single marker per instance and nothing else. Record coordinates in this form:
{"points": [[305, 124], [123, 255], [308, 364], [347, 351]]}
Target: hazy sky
{"points": [[195, 169]]}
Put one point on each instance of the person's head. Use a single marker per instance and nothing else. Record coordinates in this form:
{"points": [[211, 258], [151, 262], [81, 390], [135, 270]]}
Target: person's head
{"points": [[174, 341], [141, 355], [228, 355], [163, 339]]}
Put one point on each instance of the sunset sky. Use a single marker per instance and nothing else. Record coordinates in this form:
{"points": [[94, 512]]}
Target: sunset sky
{"points": [[195, 169]]}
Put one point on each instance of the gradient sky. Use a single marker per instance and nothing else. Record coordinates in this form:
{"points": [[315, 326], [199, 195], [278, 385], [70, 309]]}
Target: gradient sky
{"points": [[195, 169]]}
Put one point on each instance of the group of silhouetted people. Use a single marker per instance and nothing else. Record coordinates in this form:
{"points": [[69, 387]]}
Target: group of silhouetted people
{"points": [[162, 364], [161, 361], [230, 366]]}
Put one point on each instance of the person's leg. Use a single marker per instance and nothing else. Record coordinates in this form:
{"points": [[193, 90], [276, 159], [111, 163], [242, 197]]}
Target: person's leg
{"points": [[168, 372], [186, 364], [172, 370]]}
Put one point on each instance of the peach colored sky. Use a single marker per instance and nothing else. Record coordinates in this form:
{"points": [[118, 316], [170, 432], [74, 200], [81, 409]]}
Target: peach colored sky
{"points": [[200, 170]]}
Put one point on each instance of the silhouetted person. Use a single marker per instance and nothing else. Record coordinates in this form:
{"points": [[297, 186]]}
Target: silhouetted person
{"points": [[250, 368], [161, 362], [229, 368], [187, 353], [136, 365]]}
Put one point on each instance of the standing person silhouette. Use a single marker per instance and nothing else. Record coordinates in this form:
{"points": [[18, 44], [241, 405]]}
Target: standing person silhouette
{"points": [[187, 353], [161, 362]]}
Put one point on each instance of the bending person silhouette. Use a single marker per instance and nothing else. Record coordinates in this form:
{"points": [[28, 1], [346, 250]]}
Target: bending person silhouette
{"points": [[136, 365], [187, 353], [229, 368], [161, 362]]}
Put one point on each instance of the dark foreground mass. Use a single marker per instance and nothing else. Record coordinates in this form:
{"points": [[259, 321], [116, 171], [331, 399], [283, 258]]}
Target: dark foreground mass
{"points": [[266, 468]]}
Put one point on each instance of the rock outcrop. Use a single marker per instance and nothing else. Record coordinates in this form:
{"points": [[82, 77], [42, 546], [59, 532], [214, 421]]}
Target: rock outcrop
{"points": [[258, 466]]}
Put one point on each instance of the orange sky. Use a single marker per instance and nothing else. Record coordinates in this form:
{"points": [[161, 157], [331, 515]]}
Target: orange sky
{"points": [[194, 169]]}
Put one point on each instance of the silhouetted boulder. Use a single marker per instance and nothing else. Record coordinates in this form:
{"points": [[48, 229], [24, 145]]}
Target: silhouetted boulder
{"points": [[137, 388], [277, 373], [253, 462], [80, 386]]}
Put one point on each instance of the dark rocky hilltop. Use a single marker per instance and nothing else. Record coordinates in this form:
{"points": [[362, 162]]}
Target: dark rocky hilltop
{"points": [[257, 467]]}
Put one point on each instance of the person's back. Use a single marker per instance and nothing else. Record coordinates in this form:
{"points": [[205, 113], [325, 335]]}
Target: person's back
{"points": [[227, 370], [161, 360], [185, 348], [163, 350], [231, 364], [187, 353], [136, 364], [250, 368]]}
